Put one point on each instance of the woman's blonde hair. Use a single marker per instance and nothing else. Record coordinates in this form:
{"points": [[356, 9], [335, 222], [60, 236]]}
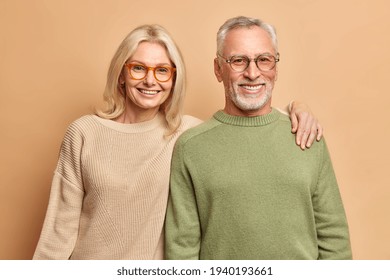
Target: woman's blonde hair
{"points": [[115, 100]]}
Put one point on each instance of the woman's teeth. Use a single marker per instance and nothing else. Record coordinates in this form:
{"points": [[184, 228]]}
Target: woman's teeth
{"points": [[149, 92]]}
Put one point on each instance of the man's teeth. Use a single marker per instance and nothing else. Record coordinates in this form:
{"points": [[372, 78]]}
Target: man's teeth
{"points": [[254, 87], [149, 92]]}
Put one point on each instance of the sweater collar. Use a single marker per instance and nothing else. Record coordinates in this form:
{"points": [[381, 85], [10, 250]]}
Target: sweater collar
{"points": [[157, 122], [271, 117]]}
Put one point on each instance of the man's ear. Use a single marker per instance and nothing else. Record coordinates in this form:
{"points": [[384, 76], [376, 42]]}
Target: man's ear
{"points": [[276, 73], [217, 70]]}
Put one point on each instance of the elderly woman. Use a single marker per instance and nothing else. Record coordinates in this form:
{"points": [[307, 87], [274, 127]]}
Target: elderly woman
{"points": [[110, 187]]}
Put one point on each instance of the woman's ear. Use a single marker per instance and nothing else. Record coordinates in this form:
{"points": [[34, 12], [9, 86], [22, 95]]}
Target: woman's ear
{"points": [[122, 84], [121, 79]]}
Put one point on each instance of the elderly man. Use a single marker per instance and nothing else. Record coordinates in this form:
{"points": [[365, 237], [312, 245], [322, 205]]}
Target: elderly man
{"points": [[240, 189]]}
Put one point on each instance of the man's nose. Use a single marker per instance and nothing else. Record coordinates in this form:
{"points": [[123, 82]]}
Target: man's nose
{"points": [[252, 71]]}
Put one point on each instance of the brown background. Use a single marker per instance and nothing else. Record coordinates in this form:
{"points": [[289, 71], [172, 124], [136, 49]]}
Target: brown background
{"points": [[54, 57]]}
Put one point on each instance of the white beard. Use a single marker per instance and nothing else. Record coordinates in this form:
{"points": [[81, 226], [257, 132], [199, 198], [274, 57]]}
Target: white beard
{"points": [[251, 102]]}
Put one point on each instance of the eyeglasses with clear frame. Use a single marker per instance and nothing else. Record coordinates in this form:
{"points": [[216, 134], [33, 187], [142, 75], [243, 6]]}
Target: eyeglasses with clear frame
{"points": [[239, 63], [139, 71]]}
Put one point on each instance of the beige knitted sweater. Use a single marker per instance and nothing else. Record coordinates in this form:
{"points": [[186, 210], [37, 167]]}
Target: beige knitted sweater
{"points": [[109, 192]]}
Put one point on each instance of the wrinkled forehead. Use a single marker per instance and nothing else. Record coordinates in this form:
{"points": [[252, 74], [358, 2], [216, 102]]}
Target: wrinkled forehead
{"points": [[248, 41], [150, 53]]}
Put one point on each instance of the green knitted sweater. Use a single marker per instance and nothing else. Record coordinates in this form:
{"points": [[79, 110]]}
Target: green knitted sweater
{"points": [[242, 189]]}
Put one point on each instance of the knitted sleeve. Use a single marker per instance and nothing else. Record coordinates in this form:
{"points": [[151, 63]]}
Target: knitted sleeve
{"points": [[60, 228], [331, 222], [182, 227]]}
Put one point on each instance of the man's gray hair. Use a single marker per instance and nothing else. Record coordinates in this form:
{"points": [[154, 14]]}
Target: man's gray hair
{"points": [[244, 22]]}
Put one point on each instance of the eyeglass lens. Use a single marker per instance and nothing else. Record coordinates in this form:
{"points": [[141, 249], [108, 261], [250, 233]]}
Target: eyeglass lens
{"points": [[263, 62], [161, 73]]}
